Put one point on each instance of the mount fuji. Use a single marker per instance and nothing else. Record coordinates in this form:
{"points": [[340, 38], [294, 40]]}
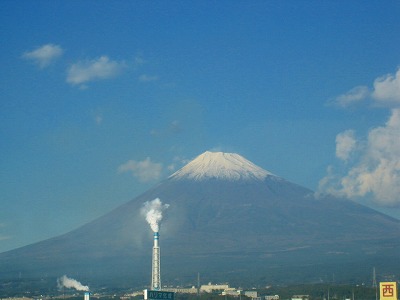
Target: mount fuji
{"points": [[229, 220], [223, 166]]}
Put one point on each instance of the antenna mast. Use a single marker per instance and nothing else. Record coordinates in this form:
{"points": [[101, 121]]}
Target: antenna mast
{"points": [[374, 278]]}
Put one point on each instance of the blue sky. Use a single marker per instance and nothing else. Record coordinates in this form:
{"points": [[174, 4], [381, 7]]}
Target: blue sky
{"points": [[101, 100]]}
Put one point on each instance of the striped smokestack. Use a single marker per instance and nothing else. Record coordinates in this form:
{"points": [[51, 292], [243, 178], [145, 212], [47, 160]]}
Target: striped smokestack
{"points": [[152, 210], [155, 271]]}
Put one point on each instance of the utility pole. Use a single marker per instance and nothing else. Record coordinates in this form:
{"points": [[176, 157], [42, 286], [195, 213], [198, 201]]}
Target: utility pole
{"points": [[374, 278], [374, 284]]}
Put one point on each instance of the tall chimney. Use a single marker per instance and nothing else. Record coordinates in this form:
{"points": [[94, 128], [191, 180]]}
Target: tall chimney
{"points": [[155, 272], [87, 296]]}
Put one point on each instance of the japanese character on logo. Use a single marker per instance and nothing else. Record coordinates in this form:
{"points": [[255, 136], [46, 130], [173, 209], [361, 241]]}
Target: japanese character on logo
{"points": [[387, 290]]}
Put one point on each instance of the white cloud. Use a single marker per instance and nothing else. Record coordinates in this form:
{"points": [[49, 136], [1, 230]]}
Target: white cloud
{"points": [[330, 183], [44, 55], [154, 132], [89, 70], [387, 88], [376, 172], [345, 144], [353, 96], [144, 170]]}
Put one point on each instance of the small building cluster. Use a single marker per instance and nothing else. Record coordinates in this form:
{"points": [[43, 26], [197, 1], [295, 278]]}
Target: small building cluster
{"points": [[224, 289]]}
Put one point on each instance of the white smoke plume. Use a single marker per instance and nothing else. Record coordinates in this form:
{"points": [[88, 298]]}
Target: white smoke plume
{"points": [[152, 211], [64, 281]]}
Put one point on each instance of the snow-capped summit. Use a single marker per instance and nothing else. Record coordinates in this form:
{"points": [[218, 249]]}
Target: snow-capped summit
{"points": [[220, 165]]}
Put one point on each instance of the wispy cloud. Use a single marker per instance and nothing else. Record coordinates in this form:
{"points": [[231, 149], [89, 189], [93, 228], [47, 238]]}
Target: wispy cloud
{"points": [[147, 78], [177, 162], [4, 237], [98, 119], [139, 60], [97, 116], [385, 92], [144, 170], [376, 171], [175, 127], [353, 96], [96, 69], [44, 55]]}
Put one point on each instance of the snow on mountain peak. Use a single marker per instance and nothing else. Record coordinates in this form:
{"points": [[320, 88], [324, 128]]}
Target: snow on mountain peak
{"points": [[220, 165]]}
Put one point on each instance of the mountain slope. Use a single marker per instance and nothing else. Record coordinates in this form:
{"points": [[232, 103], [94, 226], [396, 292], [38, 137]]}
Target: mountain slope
{"points": [[229, 220]]}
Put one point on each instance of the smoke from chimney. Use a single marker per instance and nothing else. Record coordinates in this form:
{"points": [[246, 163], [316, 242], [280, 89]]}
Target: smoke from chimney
{"points": [[64, 281], [152, 211]]}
